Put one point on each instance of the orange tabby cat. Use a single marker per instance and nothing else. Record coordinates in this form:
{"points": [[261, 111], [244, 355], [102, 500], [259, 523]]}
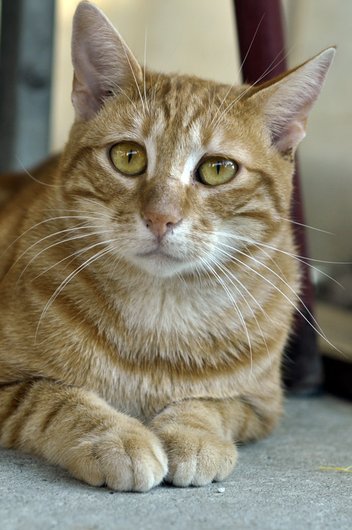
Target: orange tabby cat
{"points": [[146, 284]]}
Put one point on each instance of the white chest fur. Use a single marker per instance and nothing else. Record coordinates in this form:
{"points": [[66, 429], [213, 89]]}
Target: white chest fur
{"points": [[169, 323]]}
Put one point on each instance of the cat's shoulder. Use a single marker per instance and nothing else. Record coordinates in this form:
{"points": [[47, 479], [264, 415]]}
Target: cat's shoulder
{"points": [[13, 183]]}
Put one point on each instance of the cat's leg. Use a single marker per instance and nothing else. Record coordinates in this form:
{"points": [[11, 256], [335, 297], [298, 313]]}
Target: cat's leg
{"points": [[77, 430], [199, 435]]}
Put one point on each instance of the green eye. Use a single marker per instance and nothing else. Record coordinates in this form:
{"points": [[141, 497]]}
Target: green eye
{"points": [[129, 158], [216, 170]]}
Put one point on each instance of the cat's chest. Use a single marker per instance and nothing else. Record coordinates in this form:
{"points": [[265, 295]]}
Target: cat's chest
{"points": [[144, 391], [182, 310], [144, 395], [163, 347]]}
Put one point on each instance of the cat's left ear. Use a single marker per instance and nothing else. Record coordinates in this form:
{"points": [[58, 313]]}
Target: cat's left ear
{"points": [[287, 100], [103, 64]]}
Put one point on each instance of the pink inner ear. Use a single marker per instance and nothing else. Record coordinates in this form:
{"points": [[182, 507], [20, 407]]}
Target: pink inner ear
{"points": [[84, 100], [287, 122], [292, 130], [290, 136]]}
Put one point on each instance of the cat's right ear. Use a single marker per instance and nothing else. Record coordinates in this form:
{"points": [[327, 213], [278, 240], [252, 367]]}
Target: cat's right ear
{"points": [[103, 64]]}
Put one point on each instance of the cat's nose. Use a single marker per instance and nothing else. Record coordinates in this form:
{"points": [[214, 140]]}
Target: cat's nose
{"points": [[159, 223]]}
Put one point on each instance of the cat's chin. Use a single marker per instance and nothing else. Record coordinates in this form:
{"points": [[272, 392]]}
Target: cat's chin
{"points": [[160, 264]]}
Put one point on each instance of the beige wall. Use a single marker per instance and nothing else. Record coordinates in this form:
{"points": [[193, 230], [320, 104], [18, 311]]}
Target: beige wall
{"points": [[326, 152], [197, 36]]}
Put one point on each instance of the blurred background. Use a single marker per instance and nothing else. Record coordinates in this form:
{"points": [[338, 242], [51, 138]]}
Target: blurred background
{"points": [[199, 37]]}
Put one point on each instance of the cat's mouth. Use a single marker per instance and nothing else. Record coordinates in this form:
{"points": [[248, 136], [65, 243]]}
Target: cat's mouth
{"points": [[159, 254]]}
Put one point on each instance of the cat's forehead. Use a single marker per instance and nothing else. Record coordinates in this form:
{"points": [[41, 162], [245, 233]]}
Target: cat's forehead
{"points": [[186, 110], [184, 100], [179, 119], [173, 105], [190, 116]]}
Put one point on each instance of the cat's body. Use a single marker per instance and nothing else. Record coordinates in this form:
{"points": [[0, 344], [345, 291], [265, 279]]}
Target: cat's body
{"points": [[155, 296]]}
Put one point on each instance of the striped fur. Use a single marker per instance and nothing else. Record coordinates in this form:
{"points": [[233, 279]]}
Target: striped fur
{"points": [[122, 368]]}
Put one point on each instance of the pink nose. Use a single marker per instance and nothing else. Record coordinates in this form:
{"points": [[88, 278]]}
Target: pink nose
{"points": [[159, 224]]}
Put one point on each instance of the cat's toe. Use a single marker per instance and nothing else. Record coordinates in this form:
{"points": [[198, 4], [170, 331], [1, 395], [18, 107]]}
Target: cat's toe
{"points": [[133, 460], [197, 458]]}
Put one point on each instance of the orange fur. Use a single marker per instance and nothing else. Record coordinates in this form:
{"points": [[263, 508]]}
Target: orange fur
{"points": [[126, 368]]}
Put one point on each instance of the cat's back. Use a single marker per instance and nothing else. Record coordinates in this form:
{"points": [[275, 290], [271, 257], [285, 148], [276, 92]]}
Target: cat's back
{"points": [[18, 192]]}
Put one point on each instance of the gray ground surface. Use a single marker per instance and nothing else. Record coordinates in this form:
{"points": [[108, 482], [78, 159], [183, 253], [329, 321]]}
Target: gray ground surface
{"points": [[277, 484]]}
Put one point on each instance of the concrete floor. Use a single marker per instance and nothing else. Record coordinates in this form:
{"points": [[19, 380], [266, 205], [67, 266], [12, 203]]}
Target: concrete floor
{"points": [[279, 483]]}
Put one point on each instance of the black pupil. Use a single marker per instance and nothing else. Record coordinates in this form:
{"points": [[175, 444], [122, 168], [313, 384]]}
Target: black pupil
{"points": [[218, 167], [130, 155]]}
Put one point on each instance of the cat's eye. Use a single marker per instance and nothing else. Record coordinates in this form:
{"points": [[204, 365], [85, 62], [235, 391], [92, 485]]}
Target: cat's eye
{"points": [[216, 170], [129, 158]]}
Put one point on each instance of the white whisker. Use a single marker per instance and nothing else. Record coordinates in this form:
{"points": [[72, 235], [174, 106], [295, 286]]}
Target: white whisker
{"points": [[239, 71], [251, 43], [262, 265], [73, 256], [85, 218], [57, 243], [307, 226], [225, 269], [135, 79], [124, 93], [80, 211], [302, 259], [231, 298], [316, 325], [67, 280], [32, 177], [231, 277], [144, 69], [267, 71], [53, 234]]}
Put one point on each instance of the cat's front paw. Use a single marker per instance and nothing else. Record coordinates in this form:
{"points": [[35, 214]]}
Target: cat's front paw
{"points": [[124, 459], [196, 457]]}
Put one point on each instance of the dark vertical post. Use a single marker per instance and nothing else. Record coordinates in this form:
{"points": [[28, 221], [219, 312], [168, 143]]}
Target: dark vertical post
{"points": [[264, 58], [27, 29]]}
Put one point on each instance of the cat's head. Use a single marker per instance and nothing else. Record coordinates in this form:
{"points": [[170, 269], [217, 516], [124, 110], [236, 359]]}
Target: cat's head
{"points": [[179, 171]]}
